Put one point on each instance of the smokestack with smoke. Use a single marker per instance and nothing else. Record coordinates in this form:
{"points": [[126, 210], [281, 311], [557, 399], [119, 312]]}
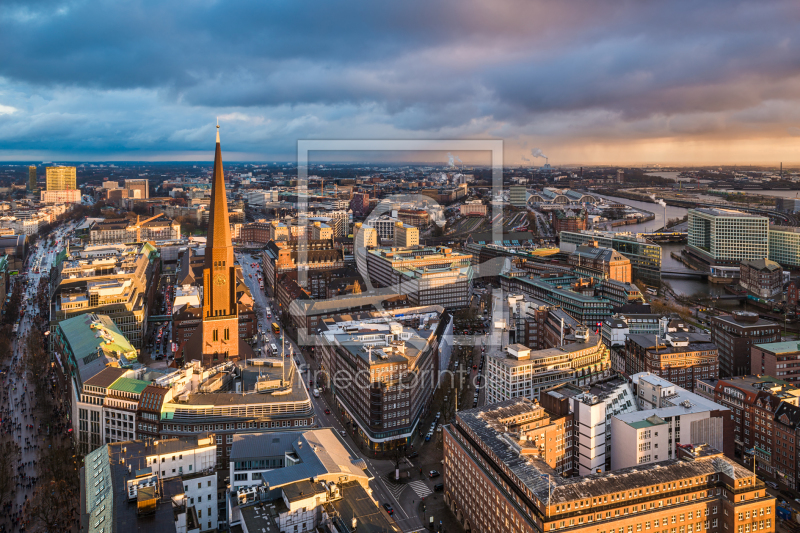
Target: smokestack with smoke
{"points": [[536, 152], [450, 160], [525, 158]]}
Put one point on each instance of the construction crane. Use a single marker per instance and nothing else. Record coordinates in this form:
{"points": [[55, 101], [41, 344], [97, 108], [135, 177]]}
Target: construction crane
{"points": [[139, 224]]}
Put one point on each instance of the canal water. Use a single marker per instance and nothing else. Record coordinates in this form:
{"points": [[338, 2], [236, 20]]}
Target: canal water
{"points": [[687, 286]]}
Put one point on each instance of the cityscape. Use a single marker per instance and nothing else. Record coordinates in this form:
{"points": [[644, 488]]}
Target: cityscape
{"points": [[276, 268]]}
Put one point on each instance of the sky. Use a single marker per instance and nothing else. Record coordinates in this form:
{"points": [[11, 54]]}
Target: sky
{"points": [[583, 82]]}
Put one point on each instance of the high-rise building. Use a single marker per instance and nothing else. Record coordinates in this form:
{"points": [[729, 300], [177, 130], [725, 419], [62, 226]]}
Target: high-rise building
{"points": [[518, 195], [31, 178], [138, 188], [735, 335], [405, 235], [723, 238], [61, 178], [784, 246], [217, 339]]}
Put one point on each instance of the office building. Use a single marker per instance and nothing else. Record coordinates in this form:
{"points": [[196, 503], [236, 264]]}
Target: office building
{"points": [[383, 372], [114, 280], [517, 371], [32, 178], [138, 188], [364, 236], [216, 340], [164, 487], [779, 359], [644, 255], [784, 246], [518, 195], [735, 334], [428, 275], [298, 255], [569, 220], [667, 417], [585, 309], [61, 178], [679, 357], [492, 482], [619, 293], [405, 236], [321, 231], [592, 408], [418, 218], [121, 230], [318, 487], [761, 278], [600, 263], [473, 208], [724, 238], [787, 205], [61, 196]]}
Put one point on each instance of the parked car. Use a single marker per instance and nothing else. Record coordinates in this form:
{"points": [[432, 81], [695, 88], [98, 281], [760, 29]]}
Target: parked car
{"points": [[433, 474], [439, 487], [428, 436], [412, 455], [388, 508], [772, 484]]}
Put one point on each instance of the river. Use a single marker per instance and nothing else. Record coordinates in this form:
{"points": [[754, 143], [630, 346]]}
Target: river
{"points": [[687, 286]]}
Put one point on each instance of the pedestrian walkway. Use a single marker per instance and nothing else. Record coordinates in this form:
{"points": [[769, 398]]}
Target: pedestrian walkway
{"points": [[395, 488], [420, 488]]}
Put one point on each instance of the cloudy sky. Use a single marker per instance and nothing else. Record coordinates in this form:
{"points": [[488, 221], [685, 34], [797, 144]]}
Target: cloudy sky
{"points": [[587, 82]]}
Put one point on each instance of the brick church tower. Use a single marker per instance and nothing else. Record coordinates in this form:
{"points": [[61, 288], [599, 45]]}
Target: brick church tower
{"points": [[217, 339]]}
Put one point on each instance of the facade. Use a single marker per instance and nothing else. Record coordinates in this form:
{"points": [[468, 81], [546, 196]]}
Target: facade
{"points": [[517, 371], [583, 308], [405, 236], [762, 278], [32, 178], [61, 196], [321, 231], [600, 263], [680, 358], [61, 178], [494, 482], [121, 231], [779, 359], [644, 255], [573, 221], [518, 195], [735, 334], [667, 418], [428, 275], [414, 217], [592, 408], [473, 208], [784, 246], [382, 372], [368, 236], [284, 256], [753, 402], [138, 188], [164, 487], [724, 237]]}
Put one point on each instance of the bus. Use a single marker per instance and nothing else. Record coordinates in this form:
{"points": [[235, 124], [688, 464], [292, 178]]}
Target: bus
{"points": [[276, 329], [274, 350]]}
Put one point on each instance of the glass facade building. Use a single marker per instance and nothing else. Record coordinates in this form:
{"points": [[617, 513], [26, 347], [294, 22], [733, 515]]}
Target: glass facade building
{"points": [[728, 236]]}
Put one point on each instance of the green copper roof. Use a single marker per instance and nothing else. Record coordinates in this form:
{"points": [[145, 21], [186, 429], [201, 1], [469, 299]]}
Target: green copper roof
{"points": [[89, 332], [135, 386]]}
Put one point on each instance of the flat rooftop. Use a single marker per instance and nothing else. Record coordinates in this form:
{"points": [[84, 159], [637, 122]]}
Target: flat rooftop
{"points": [[730, 213]]}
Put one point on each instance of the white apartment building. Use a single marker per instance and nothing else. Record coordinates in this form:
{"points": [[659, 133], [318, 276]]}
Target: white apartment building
{"points": [[592, 409], [667, 416]]}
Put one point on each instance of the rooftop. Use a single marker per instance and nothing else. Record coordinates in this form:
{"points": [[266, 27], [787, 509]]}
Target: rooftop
{"points": [[731, 213]]}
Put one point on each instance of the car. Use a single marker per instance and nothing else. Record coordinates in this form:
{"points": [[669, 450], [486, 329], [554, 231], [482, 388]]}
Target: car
{"points": [[787, 493], [412, 455], [772, 484], [433, 474], [327, 411], [438, 416], [388, 508], [428, 436], [343, 433], [439, 487]]}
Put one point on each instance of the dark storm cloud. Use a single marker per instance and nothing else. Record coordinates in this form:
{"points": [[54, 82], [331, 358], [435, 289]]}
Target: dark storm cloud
{"points": [[150, 74]]}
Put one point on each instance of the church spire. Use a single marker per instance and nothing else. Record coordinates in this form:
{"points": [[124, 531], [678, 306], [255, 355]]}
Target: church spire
{"points": [[219, 232]]}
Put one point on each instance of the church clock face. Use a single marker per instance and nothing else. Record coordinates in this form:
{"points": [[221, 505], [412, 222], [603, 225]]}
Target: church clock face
{"points": [[219, 279]]}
